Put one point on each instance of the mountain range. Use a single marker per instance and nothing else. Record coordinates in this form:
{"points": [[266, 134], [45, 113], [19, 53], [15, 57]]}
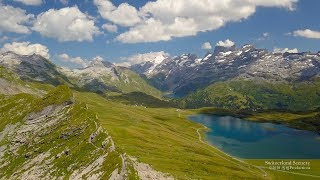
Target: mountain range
{"points": [[111, 122], [232, 78], [184, 74]]}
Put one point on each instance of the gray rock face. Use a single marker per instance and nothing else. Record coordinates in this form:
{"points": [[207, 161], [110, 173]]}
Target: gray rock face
{"points": [[184, 74], [31, 68], [219, 49], [142, 68]]}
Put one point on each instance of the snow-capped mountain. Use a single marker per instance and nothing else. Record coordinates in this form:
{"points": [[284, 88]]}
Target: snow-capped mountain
{"points": [[187, 73], [148, 62]]}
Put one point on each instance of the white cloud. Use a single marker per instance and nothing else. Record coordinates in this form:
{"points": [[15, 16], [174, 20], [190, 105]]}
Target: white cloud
{"points": [[155, 57], [110, 28], [163, 20], [14, 20], [66, 24], [124, 14], [64, 2], [284, 50], [26, 48], [307, 33], [206, 45], [74, 60], [226, 43], [30, 2], [97, 59], [266, 34]]}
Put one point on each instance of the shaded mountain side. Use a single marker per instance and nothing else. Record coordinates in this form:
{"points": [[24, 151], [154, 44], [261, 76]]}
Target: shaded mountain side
{"points": [[10, 83], [33, 68]]}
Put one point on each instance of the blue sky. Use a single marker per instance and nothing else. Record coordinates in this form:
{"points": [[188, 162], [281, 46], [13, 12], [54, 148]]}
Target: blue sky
{"points": [[280, 23]]}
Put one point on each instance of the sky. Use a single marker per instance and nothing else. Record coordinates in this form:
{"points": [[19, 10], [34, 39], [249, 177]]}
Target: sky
{"points": [[73, 32]]}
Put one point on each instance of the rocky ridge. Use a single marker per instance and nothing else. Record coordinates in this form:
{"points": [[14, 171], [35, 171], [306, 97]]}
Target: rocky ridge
{"points": [[186, 73]]}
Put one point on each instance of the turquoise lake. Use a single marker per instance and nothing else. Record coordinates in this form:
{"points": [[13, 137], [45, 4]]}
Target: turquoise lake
{"points": [[253, 140]]}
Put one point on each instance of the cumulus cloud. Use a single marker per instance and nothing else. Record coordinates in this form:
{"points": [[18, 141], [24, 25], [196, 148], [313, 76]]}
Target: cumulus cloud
{"points": [[284, 50], [155, 57], [163, 20], [206, 45], [30, 2], [97, 59], [74, 60], [26, 48], [124, 14], [307, 33], [66, 24], [14, 20], [110, 28], [226, 43]]}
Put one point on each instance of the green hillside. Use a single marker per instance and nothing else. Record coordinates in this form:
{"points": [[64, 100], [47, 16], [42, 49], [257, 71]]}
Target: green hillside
{"points": [[80, 135], [54, 136], [132, 82], [126, 81], [257, 95], [165, 139]]}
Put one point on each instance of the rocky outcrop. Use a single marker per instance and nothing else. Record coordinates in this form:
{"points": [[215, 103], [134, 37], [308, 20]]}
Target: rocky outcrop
{"points": [[146, 172], [32, 68], [59, 141]]}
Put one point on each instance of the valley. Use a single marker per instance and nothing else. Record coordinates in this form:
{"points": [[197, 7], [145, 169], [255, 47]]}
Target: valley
{"points": [[159, 90], [110, 122]]}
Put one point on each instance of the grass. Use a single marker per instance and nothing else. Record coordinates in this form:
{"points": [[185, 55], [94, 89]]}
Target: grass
{"points": [[71, 132], [161, 137], [165, 139], [257, 95], [140, 99], [278, 175], [126, 81], [280, 116]]}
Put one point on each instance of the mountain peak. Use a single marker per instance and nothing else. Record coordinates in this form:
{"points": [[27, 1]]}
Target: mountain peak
{"points": [[98, 62], [219, 49]]}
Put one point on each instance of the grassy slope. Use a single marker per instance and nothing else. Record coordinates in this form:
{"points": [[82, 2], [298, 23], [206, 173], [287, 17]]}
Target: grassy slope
{"points": [[10, 76], [160, 137], [70, 134], [250, 95], [166, 140], [139, 99], [132, 82], [128, 82], [37, 87], [279, 175]]}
